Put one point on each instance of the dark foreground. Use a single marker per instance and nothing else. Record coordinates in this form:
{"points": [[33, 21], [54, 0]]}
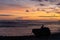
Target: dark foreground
{"points": [[55, 36]]}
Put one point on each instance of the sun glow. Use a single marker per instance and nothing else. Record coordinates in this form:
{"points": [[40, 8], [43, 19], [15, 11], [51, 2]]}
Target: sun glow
{"points": [[30, 15]]}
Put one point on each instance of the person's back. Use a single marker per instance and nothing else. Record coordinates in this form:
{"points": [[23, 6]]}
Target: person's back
{"points": [[45, 31]]}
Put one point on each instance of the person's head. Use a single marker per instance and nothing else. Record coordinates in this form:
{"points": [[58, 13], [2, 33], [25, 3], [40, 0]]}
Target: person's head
{"points": [[42, 26]]}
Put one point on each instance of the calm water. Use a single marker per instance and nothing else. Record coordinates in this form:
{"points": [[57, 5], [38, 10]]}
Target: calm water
{"points": [[22, 31]]}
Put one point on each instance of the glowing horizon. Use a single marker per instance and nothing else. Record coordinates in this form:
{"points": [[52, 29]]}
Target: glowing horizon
{"points": [[29, 10]]}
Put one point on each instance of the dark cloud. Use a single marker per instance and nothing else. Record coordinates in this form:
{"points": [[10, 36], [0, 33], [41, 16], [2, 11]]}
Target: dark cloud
{"points": [[27, 10], [58, 12], [37, 0], [5, 15], [42, 5], [40, 0], [58, 4], [53, 0], [46, 0]]}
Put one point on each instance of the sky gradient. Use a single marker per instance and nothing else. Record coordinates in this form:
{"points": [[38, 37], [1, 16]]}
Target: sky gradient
{"points": [[30, 9]]}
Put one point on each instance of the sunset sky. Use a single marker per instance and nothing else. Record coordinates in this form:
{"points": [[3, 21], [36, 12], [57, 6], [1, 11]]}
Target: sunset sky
{"points": [[30, 9]]}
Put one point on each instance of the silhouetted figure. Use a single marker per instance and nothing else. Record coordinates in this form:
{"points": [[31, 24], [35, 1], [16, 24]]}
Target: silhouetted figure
{"points": [[42, 26], [42, 32]]}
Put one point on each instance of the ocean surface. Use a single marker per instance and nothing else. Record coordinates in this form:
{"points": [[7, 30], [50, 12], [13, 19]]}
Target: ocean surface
{"points": [[24, 31]]}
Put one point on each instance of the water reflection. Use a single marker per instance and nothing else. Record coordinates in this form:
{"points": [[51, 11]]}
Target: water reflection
{"points": [[21, 31]]}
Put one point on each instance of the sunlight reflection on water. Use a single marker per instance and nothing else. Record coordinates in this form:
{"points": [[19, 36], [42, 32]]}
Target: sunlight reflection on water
{"points": [[54, 27]]}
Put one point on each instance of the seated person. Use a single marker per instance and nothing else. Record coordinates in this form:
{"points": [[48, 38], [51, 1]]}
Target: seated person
{"points": [[43, 31]]}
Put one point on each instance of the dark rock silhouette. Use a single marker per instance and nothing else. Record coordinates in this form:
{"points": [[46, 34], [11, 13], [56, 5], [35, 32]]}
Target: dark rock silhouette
{"points": [[43, 31]]}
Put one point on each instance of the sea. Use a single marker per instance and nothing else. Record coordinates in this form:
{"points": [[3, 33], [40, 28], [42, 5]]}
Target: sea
{"points": [[26, 30]]}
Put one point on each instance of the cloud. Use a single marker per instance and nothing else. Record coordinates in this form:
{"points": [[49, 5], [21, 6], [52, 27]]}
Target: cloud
{"points": [[10, 6], [27, 10], [42, 5], [48, 2], [49, 16], [5, 15], [58, 4], [16, 4], [37, 0], [57, 12], [24, 4]]}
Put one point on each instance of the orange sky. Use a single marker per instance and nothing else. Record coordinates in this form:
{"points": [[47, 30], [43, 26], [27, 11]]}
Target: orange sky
{"points": [[22, 15], [16, 10]]}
